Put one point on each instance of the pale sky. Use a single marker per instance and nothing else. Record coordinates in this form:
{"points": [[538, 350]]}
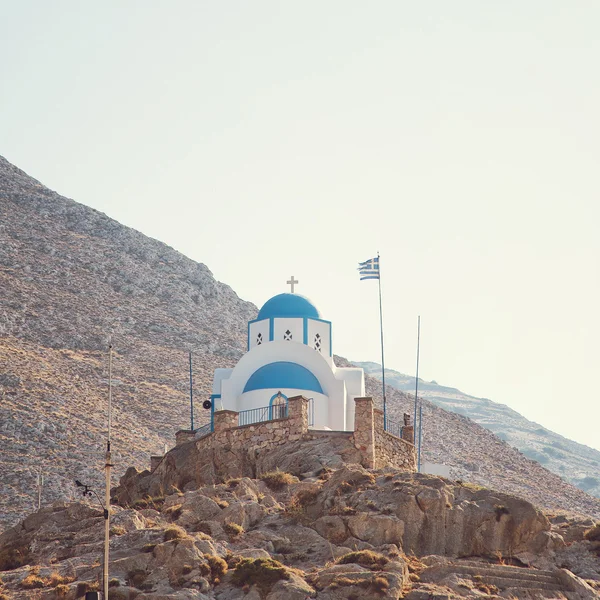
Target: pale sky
{"points": [[461, 140]]}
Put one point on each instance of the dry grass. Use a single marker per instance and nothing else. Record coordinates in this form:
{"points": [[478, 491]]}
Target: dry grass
{"points": [[365, 558], [174, 533], [262, 572], [233, 529], [277, 480], [218, 567]]}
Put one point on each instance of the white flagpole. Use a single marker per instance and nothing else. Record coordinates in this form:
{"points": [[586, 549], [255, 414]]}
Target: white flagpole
{"points": [[382, 352]]}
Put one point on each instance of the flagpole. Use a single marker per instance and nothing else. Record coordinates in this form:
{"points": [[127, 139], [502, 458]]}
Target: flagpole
{"points": [[191, 396], [417, 381], [382, 352]]}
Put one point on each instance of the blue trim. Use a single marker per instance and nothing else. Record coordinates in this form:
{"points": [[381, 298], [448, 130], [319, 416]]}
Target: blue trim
{"points": [[271, 403], [305, 328], [280, 375], [212, 410], [271, 329]]}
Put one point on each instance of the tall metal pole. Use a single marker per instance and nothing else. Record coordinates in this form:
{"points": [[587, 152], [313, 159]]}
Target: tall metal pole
{"points": [[417, 382], [40, 484], [382, 353], [191, 396], [107, 466], [420, 436]]}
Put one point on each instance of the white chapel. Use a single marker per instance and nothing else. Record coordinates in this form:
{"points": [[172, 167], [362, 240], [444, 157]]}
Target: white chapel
{"points": [[290, 353]]}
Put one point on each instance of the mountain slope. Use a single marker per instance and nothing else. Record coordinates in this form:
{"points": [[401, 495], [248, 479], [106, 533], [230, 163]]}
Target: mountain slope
{"points": [[578, 464], [70, 277]]}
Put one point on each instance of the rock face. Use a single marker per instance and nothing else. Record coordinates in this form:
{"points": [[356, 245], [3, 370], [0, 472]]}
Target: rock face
{"points": [[70, 277], [350, 533]]}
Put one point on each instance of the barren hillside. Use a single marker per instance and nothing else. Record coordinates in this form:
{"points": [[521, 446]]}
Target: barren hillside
{"points": [[70, 277]]}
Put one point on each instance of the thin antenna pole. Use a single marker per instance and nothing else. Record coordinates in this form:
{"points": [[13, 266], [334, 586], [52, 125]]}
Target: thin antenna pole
{"points": [[109, 391], [40, 484], [382, 352], [107, 466], [191, 395], [417, 381], [420, 436]]}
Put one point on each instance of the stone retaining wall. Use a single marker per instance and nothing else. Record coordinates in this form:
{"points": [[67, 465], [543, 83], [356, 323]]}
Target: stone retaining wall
{"points": [[378, 448]]}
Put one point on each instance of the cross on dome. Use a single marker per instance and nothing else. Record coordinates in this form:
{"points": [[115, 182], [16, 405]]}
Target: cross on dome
{"points": [[292, 282]]}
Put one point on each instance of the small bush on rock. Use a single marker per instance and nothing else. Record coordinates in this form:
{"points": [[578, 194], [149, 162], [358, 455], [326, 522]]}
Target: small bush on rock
{"points": [[262, 572], [277, 480], [593, 534], [218, 567], [174, 533], [233, 529], [32, 582], [365, 558]]}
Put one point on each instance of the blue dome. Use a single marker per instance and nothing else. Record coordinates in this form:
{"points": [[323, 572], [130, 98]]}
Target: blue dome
{"points": [[283, 375], [288, 305]]}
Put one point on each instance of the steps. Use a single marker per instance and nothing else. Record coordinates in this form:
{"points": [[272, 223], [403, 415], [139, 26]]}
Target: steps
{"points": [[520, 582]]}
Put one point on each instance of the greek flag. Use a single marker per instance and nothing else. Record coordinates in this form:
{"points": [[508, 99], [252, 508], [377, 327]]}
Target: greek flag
{"points": [[369, 269]]}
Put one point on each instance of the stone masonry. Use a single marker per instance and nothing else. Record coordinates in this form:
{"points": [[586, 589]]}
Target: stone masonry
{"points": [[377, 447]]}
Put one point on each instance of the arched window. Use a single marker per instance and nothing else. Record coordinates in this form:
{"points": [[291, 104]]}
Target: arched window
{"points": [[287, 336], [278, 406]]}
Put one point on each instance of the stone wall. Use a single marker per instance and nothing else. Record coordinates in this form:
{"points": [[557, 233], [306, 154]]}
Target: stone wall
{"points": [[391, 450], [377, 447]]}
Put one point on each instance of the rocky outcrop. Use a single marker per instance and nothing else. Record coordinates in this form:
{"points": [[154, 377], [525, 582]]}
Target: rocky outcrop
{"points": [[350, 533]]}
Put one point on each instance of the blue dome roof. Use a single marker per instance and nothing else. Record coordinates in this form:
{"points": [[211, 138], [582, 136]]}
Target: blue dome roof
{"points": [[283, 375], [288, 305]]}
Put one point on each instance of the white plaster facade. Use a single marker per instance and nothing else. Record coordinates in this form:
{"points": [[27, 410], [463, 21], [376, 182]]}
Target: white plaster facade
{"points": [[291, 354]]}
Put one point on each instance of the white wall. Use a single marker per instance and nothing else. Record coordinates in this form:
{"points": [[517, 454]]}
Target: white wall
{"points": [[323, 329], [295, 326], [256, 328]]}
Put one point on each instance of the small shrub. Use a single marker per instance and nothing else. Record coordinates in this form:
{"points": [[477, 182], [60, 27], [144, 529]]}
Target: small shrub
{"points": [[61, 590], [117, 530], [217, 566], [380, 584], [14, 557], [233, 483], [173, 512], [221, 503], [593, 534], [86, 586], [136, 577], [202, 527], [306, 497], [233, 529], [58, 579], [365, 558], [277, 480], [32, 582], [114, 583], [262, 572], [174, 533]]}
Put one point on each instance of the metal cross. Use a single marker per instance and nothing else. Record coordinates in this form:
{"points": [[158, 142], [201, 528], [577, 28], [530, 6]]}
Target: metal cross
{"points": [[292, 282]]}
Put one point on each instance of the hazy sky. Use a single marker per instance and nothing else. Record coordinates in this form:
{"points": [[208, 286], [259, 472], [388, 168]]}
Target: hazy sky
{"points": [[461, 140]]}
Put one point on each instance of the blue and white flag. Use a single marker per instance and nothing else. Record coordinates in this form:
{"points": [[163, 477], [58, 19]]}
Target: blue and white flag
{"points": [[369, 269]]}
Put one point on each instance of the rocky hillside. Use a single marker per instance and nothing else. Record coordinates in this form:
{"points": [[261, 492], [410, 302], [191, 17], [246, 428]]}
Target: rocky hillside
{"points": [[70, 277], [578, 464], [340, 534]]}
